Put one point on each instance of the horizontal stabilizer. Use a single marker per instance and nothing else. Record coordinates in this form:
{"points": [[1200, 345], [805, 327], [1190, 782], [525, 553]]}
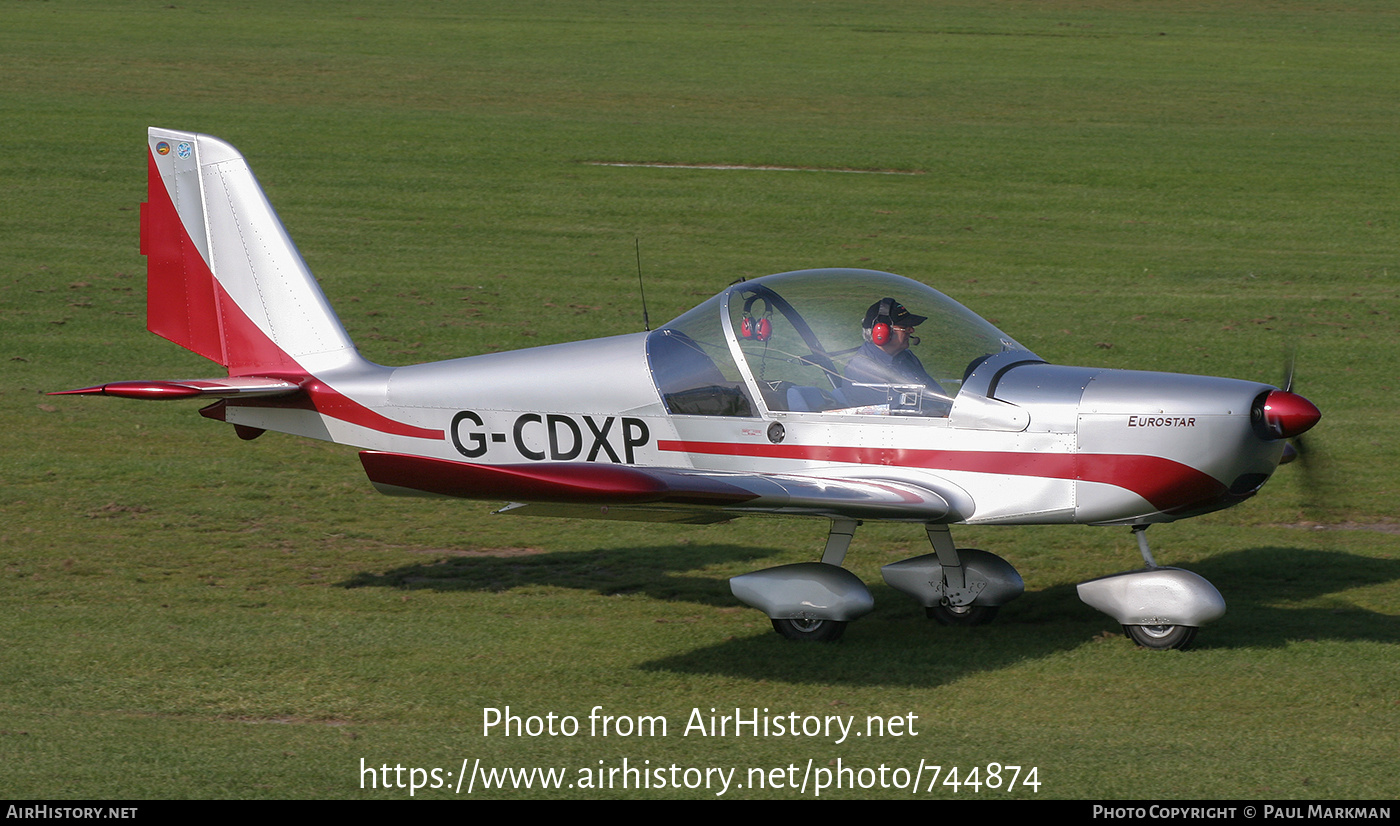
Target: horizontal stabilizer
{"points": [[241, 387]]}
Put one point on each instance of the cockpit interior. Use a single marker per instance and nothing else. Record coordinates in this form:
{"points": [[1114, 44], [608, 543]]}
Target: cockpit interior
{"points": [[801, 342]]}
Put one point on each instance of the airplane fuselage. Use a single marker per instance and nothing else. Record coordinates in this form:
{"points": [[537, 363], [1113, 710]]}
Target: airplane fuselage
{"points": [[1051, 444]]}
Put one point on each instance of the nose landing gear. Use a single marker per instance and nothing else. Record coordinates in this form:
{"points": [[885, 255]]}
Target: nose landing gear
{"points": [[1159, 608]]}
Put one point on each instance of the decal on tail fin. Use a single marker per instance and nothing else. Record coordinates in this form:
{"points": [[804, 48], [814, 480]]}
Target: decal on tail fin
{"points": [[224, 278]]}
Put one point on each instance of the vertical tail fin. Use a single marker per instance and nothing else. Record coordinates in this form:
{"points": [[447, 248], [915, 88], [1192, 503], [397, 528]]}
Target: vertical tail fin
{"points": [[223, 277]]}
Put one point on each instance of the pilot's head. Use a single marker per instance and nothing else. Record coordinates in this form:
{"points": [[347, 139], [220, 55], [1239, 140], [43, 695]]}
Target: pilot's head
{"points": [[889, 326]]}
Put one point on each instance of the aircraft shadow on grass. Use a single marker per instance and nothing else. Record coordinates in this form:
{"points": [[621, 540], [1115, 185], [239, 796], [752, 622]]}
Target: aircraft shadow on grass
{"points": [[652, 571], [1260, 583], [896, 645]]}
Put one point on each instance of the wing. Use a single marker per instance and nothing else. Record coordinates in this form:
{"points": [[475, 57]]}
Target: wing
{"points": [[605, 491]]}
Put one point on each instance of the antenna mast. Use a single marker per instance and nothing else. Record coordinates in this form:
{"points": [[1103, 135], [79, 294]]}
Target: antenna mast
{"points": [[646, 322]]}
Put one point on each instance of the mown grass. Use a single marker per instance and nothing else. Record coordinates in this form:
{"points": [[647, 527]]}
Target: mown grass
{"points": [[1172, 186]]}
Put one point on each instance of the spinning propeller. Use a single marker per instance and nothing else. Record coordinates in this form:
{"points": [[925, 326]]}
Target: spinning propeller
{"points": [[1284, 414]]}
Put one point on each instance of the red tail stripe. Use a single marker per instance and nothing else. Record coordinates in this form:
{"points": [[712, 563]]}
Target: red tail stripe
{"points": [[188, 306], [180, 303]]}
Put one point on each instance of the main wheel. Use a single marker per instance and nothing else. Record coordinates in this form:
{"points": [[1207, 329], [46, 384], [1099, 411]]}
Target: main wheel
{"points": [[1161, 637], [962, 614], [810, 630]]}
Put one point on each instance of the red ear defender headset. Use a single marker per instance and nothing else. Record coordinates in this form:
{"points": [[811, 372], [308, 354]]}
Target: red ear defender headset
{"points": [[882, 326], [758, 329], [880, 330]]}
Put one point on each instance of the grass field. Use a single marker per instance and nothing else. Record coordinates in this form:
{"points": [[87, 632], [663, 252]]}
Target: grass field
{"points": [[1179, 186]]}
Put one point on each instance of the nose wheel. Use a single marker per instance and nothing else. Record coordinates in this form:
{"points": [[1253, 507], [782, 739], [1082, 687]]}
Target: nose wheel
{"points": [[810, 630], [1161, 637]]}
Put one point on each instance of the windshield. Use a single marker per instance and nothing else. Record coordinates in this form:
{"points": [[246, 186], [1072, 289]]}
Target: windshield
{"points": [[841, 341]]}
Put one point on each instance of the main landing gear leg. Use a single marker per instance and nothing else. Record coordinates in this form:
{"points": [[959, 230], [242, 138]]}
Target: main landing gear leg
{"points": [[955, 608], [838, 540]]}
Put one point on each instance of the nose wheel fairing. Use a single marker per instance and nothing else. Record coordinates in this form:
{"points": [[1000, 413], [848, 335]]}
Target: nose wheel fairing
{"points": [[1158, 607], [1155, 597]]}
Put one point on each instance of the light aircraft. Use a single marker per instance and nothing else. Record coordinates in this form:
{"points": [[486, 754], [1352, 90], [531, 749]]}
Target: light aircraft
{"points": [[751, 403]]}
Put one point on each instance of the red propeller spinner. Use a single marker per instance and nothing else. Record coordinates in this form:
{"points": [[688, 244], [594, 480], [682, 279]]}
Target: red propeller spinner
{"points": [[1282, 414]]}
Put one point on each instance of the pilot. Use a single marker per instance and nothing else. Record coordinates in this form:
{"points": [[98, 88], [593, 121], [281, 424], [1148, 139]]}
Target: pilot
{"points": [[885, 358]]}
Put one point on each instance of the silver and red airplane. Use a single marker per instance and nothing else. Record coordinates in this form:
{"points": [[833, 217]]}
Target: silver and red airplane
{"points": [[847, 395]]}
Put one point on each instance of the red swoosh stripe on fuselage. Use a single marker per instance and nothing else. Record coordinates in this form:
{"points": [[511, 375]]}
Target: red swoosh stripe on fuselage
{"points": [[1165, 483]]}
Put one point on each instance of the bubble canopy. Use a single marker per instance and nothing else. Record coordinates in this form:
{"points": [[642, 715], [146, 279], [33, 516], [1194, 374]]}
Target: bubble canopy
{"points": [[801, 342]]}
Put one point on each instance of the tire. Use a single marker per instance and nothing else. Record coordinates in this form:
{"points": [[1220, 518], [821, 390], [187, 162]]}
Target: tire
{"points": [[965, 615], [805, 630], [1161, 637]]}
